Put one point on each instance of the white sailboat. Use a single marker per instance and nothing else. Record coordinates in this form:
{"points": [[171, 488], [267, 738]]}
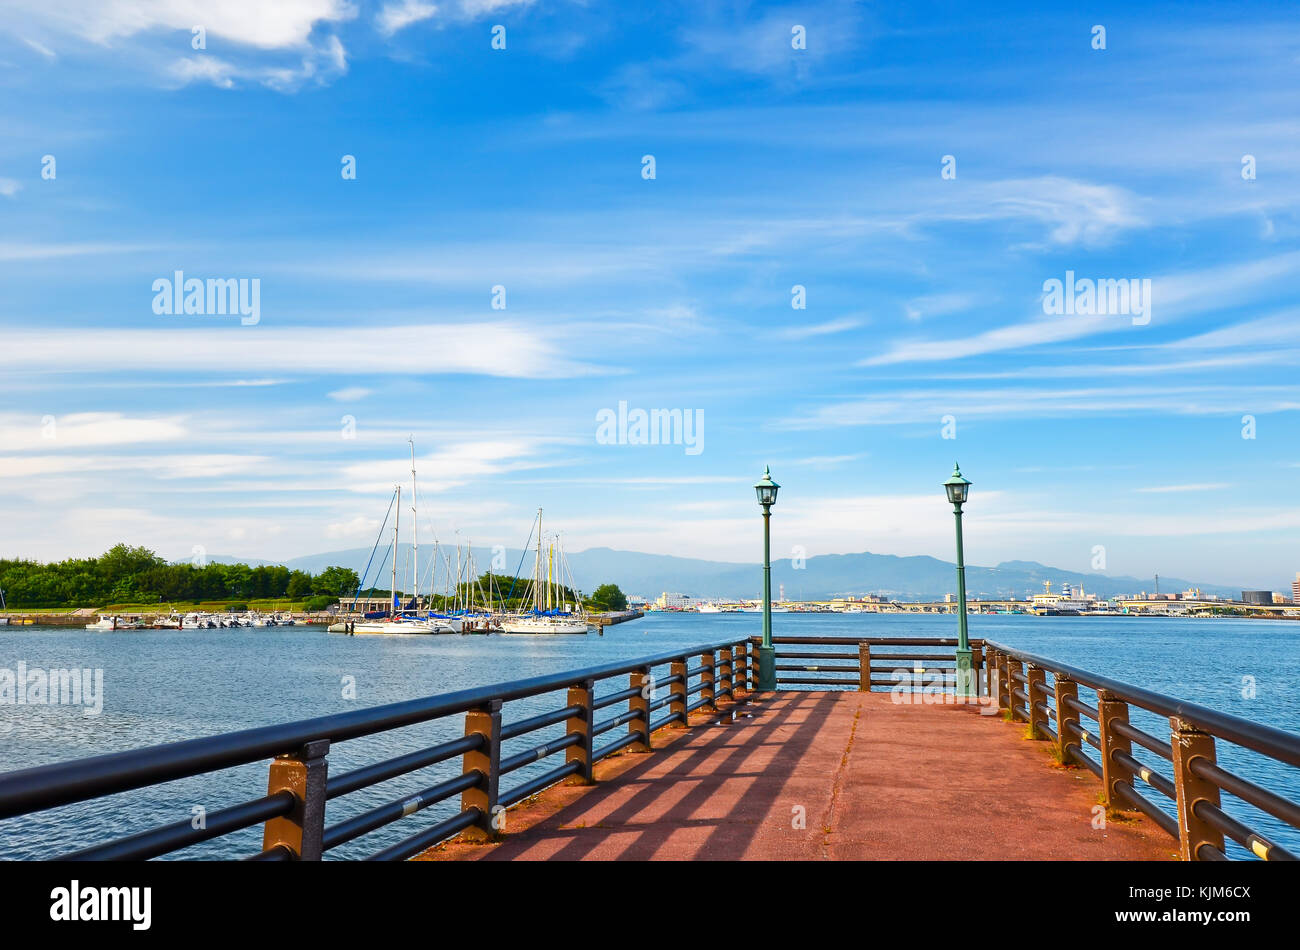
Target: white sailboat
{"points": [[397, 622], [547, 615]]}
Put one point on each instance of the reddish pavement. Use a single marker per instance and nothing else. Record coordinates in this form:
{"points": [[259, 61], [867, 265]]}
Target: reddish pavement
{"points": [[803, 775]]}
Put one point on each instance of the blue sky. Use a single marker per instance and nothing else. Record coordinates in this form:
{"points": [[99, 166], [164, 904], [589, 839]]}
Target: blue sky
{"points": [[774, 167]]}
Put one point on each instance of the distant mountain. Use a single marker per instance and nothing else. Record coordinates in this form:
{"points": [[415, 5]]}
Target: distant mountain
{"points": [[820, 577]]}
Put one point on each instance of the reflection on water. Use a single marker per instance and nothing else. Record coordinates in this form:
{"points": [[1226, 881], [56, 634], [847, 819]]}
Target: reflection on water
{"points": [[165, 685]]}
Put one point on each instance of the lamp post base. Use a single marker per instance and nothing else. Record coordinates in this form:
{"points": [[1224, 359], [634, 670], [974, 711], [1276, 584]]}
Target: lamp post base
{"points": [[766, 669], [965, 675]]}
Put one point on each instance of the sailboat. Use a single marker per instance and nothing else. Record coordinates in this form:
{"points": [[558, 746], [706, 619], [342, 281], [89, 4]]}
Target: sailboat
{"points": [[547, 615], [398, 621]]}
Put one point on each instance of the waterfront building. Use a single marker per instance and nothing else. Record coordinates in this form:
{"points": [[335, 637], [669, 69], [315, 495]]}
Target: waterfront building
{"points": [[1295, 589], [1258, 597], [673, 601]]}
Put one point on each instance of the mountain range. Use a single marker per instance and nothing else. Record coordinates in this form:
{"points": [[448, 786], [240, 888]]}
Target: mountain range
{"points": [[816, 578]]}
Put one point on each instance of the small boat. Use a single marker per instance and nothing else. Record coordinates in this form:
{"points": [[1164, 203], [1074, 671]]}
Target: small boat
{"points": [[105, 622]]}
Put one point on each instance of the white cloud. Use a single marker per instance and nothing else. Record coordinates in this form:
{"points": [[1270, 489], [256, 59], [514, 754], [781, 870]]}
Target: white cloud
{"points": [[285, 23], [22, 432], [159, 466], [1172, 297], [398, 16], [40, 48], [1165, 489], [490, 349], [350, 393], [819, 329], [9, 187]]}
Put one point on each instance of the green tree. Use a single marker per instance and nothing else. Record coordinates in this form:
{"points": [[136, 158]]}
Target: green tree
{"points": [[609, 597], [336, 581], [299, 586]]}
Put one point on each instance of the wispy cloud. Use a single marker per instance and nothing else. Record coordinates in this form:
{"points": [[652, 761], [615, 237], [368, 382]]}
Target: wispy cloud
{"points": [[1166, 489], [489, 349], [819, 329]]}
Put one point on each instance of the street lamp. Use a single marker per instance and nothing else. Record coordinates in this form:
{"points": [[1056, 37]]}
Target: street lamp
{"points": [[958, 489], [766, 490]]}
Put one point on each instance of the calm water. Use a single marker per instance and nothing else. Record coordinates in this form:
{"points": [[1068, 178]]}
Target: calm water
{"points": [[161, 686]]}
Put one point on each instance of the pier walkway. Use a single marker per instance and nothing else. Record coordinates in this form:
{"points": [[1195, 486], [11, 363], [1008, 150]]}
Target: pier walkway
{"points": [[826, 775], [678, 756]]}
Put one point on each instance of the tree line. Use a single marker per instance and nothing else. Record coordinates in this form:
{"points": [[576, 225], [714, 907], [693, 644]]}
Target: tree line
{"points": [[136, 575]]}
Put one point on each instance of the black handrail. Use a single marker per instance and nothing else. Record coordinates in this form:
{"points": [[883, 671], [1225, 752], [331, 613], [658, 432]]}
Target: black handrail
{"points": [[64, 783], [1268, 740]]}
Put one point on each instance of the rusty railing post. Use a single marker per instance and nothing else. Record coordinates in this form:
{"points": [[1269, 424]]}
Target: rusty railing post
{"points": [[864, 666], [484, 721], [1014, 666], [1066, 689], [740, 656], [302, 773], [640, 680], [581, 725], [1190, 744], [1034, 690], [725, 687], [990, 675], [1110, 710], [678, 705], [1004, 678], [706, 682]]}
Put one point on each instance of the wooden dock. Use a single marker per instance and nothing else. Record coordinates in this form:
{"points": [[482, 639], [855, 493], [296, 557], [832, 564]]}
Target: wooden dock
{"points": [[827, 775]]}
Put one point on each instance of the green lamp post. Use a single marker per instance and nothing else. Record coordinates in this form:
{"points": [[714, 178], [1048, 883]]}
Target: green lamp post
{"points": [[958, 489], [766, 489]]}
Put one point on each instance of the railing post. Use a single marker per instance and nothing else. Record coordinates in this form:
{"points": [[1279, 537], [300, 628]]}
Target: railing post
{"points": [[864, 666], [303, 773], [977, 671], [640, 680], [1110, 710], [581, 725], [706, 682], [725, 687], [678, 705], [1004, 680], [990, 675], [1066, 689], [484, 721], [1190, 744], [1014, 666], [741, 658], [1034, 690]]}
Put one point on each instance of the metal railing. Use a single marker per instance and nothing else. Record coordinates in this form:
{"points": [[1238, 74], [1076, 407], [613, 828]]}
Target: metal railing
{"points": [[862, 663], [1055, 711], [293, 810]]}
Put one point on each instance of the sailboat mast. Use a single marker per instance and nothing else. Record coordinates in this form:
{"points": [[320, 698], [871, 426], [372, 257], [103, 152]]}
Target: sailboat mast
{"points": [[537, 566], [415, 531], [397, 517]]}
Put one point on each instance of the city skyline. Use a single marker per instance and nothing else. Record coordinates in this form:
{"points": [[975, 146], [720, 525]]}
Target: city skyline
{"points": [[845, 255]]}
